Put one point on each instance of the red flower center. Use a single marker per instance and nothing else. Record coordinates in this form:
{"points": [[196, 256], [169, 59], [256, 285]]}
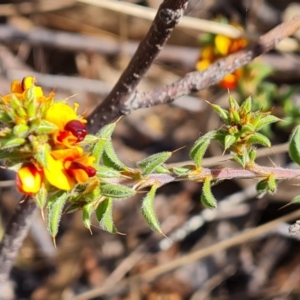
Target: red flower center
{"points": [[90, 171], [77, 129]]}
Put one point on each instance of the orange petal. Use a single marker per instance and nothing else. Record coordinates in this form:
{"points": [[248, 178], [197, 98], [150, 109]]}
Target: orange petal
{"points": [[67, 154], [16, 87], [229, 81]]}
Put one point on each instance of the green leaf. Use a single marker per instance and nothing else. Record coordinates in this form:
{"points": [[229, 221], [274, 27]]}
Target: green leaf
{"points": [[7, 143], [103, 135], [17, 106], [45, 127], [106, 172], [229, 141], [181, 171], [161, 170], [240, 159], [246, 129], [294, 147], [258, 138], [267, 185], [150, 163], [43, 151], [104, 215], [223, 113], [246, 105], [32, 107], [261, 186], [89, 140], [233, 103], [41, 197], [148, 210], [14, 155], [55, 206], [265, 121], [21, 130], [272, 184], [87, 211], [116, 191], [198, 150], [296, 200], [207, 198], [110, 158], [220, 136], [252, 155], [4, 117]]}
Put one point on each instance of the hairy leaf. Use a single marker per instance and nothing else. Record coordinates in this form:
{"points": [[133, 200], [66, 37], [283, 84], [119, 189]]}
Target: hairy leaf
{"points": [[116, 191], [55, 206], [148, 210], [294, 147], [198, 150], [150, 163], [104, 215], [207, 198]]}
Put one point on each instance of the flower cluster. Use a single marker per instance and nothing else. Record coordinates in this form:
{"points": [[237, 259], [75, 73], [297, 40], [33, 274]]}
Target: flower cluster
{"points": [[216, 46], [41, 140]]}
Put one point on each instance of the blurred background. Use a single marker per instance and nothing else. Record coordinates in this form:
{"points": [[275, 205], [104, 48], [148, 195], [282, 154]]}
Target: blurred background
{"points": [[79, 48]]}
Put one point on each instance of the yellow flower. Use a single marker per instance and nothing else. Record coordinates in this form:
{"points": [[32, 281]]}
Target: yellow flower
{"points": [[222, 46], [57, 175], [20, 88], [71, 128], [66, 167], [29, 179]]}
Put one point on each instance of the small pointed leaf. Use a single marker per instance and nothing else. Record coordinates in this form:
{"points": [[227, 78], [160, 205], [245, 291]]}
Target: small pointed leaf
{"points": [[7, 143], [87, 210], [181, 171], [258, 138], [45, 127], [149, 164], [116, 191], [104, 215], [207, 198], [294, 147], [104, 135], [246, 105], [265, 121], [110, 158], [55, 206], [233, 103], [229, 141], [148, 210], [106, 172], [198, 150], [41, 197], [21, 130], [223, 113], [43, 152]]}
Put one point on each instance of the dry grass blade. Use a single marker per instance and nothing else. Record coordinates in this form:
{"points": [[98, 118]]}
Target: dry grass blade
{"points": [[243, 237], [149, 14]]}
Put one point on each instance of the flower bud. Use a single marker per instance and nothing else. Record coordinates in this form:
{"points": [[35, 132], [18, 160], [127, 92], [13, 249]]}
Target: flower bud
{"points": [[29, 179]]}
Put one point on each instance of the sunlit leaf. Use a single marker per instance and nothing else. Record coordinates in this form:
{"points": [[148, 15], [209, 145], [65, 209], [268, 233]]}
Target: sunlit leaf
{"points": [[148, 210], [150, 163]]}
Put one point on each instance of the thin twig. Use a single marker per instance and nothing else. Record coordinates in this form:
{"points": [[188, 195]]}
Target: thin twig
{"points": [[15, 233], [116, 105], [168, 15]]}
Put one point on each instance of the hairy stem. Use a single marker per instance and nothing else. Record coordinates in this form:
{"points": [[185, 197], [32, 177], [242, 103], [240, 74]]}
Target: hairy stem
{"points": [[16, 231]]}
